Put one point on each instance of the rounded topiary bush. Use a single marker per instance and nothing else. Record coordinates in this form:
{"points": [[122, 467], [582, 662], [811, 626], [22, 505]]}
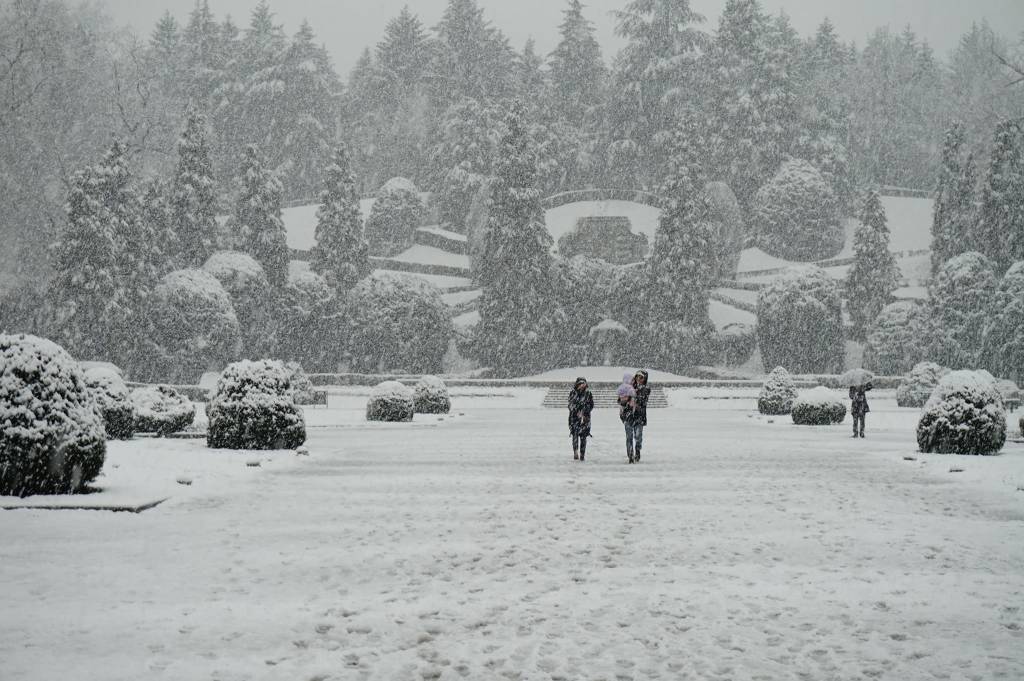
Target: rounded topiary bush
{"points": [[797, 215], [246, 284], [725, 211], [253, 408], [52, 437], [112, 396], [307, 325], [194, 327], [964, 415], [430, 396], [735, 343], [819, 406], [301, 386], [397, 323], [162, 410], [391, 401], [917, 386], [895, 338], [800, 322], [777, 393], [397, 212]]}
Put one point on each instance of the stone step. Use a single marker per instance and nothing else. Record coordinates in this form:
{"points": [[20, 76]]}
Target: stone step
{"points": [[604, 398]]}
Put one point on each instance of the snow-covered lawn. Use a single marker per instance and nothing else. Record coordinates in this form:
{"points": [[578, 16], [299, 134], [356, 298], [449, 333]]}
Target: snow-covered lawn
{"points": [[432, 256], [474, 547]]}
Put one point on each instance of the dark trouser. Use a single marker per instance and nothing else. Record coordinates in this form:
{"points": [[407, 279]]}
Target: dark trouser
{"points": [[634, 437], [859, 419], [579, 443]]}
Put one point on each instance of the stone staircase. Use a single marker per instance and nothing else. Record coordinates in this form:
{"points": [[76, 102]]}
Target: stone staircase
{"points": [[604, 397]]}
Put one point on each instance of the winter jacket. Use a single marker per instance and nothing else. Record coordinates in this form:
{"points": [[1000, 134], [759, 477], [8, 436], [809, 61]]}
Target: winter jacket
{"points": [[859, 407], [643, 393], [629, 411], [580, 406], [625, 388]]}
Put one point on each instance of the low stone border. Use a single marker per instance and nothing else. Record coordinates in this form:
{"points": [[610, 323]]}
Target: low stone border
{"points": [[116, 508]]}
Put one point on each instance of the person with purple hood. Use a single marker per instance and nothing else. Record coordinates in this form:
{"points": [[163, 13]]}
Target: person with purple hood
{"points": [[629, 414]]}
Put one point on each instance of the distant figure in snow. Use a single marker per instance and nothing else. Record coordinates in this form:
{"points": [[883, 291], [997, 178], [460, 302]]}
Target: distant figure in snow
{"points": [[643, 392], [628, 413], [581, 403], [859, 407]]}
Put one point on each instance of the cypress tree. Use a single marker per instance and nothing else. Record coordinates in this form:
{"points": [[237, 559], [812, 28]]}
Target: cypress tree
{"points": [[999, 231], [874, 275], [953, 214], [193, 197], [257, 225], [576, 66], [341, 254]]}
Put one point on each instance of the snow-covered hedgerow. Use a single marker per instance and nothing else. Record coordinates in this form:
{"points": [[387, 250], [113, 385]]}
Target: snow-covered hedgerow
{"points": [[397, 323], [895, 338], [819, 406], [800, 322], [253, 408], [917, 386], [964, 415], [161, 409], [51, 431], [777, 393], [247, 286], [797, 214], [391, 401], [194, 326], [430, 396], [112, 397], [397, 212]]}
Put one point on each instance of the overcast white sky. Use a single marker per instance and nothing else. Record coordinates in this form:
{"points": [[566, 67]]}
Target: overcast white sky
{"points": [[347, 26]]}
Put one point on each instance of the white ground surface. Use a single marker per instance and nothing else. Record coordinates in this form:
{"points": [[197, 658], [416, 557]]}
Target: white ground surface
{"points": [[474, 547], [432, 256]]}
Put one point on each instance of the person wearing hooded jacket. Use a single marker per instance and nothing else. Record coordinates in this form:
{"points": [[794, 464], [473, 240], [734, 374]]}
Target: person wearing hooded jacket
{"points": [[643, 393], [581, 403], [629, 414]]}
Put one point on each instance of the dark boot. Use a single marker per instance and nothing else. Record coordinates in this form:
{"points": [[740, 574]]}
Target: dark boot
{"points": [[583, 455], [636, 455], [629, 454], [575, 455]]}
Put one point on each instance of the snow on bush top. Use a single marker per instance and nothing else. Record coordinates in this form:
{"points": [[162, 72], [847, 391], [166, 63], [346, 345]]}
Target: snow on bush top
{"points": [[964, 415], [914, 390], [797, 213], [431, 384], [608, 325], [240, 379], [391, 391], [397, 184], [230, 265], [188, 284], [818, 397], [44, 400], [800, 286], [108, 388], [977, 387], [777, 393]]}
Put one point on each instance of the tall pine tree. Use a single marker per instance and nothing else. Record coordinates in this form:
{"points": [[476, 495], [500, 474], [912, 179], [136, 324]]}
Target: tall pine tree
{"points": [[516, 272], [953, 213], [193, 200], [1000, 226], [257, 225], [341, 254], [874, 275], [576, 66]]}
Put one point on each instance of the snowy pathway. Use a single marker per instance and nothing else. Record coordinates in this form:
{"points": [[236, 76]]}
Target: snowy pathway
{"points": [[476, 549]]}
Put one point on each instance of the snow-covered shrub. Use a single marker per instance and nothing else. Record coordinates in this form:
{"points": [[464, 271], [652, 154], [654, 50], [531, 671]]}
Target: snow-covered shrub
{"points": [[51, 430], [1002, 348], [246, 285], [397, 212], [734, 344], [960, 298], [609, 341], [895, 338], [917, 386], [964, 415], [253, 408], [112, 397], [397, 323], [301, 386], [674, 346], [391, 401], [308, 326], [725, 211], [194, 326], [1008, 390], [800, 322], [819, 406], [161, 409], [797, 214], [777, 393], [430, 396]]}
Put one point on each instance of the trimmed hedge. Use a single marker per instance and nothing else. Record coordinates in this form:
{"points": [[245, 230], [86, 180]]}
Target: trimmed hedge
{"points": [[818, 407], [162, 410], [390, 401], [253, 408]]}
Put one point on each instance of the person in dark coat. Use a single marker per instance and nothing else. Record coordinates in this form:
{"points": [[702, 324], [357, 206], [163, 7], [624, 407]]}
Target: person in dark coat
{"points": [[859, 407], [581, 403], [629, 414], [643, 393]]}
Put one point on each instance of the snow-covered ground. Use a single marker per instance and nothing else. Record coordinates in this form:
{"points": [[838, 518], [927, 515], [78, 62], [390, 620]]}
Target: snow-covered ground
{"points": [[742, 547], [433, 256]]}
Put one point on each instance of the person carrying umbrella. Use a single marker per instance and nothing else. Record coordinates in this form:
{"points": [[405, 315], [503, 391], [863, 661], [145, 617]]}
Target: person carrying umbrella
{"points": [[859, 381]]}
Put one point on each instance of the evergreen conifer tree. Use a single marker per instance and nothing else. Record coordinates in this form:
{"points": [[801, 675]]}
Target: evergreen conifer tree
{"points": [[516, 272], [193, 197], [257, 225], [341, 255], [999, 233], [576, 66], [953, 213], [1002, 347], [874, 275]]}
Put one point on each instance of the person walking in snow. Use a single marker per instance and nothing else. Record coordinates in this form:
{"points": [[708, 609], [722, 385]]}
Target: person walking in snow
{"points": [[581, 403], [643, 393], [859, 407], [629, 414]]}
